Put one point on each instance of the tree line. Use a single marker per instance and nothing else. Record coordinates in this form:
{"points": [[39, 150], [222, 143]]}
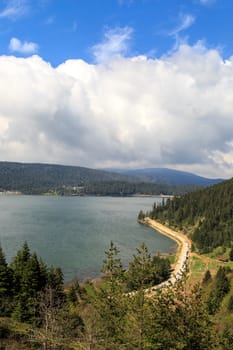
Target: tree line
{"points": [[115, 314], [206, 215]]}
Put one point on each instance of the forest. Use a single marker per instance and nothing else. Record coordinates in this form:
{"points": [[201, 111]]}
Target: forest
{"points": [[36, 179], [205, 215], [39, 312]]}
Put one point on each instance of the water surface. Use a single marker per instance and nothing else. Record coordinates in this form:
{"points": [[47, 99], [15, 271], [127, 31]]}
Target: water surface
{"points": [[74, 232]]}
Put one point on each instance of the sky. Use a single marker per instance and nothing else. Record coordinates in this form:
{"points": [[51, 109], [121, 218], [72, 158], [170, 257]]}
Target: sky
{"points": [[118, 83]]}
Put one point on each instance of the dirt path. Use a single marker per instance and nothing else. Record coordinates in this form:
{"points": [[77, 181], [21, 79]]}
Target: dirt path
{"points": [[183, 251]]}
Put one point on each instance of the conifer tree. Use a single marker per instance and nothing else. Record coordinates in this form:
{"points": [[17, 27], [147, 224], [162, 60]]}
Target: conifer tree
{"points": [[111, 302], [207, 277], [5, 284], [231, 254]]}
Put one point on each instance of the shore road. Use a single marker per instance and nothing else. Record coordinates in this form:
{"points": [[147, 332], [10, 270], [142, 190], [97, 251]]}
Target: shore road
{"points": [[183, 251]]}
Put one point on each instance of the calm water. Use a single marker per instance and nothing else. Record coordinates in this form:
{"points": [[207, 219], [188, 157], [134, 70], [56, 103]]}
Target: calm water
{"points": [[74, 232]]}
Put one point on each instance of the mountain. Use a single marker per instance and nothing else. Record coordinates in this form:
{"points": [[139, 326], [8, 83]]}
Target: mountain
{"points": [[168, 176], [27, 177], [206, 215]]}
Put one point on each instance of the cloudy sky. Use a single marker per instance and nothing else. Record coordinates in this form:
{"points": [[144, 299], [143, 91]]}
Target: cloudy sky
{"points": [[118, 83]]}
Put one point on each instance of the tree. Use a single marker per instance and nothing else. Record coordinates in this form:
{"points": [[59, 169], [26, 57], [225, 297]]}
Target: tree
{"points": [[139, 277], [140, 273], [220, 288], [141, 215], [230, 303], [231, 254], [207, 277], [29, 279], [178, 320], [6, 284], [55, 324], [111, 302]]}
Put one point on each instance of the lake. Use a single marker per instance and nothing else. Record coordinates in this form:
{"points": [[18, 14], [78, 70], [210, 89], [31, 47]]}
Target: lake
{"points": [[74, 232]]}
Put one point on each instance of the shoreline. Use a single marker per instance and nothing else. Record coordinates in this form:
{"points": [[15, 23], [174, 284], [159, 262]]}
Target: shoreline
{"points": [[182, 253]]}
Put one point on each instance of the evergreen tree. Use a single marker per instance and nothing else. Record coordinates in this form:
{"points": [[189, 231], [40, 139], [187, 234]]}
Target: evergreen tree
{"points": [[29, 280], [6, 284], [231, 254], [207, 277], [220, 288], [5, 277], [230, 304], [56, 284], [111, 303], [141, 215], [177, 320], [140, 272]]}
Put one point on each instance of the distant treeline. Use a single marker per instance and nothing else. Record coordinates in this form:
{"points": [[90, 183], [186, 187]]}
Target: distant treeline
{"points": [[207, 215], [70, 180]]}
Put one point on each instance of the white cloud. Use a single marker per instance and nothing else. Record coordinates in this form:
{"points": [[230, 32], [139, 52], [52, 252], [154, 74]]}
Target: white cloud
{"points": [[14, 9], [115, 44], [175, 111], [25, 47], [186, 21]]}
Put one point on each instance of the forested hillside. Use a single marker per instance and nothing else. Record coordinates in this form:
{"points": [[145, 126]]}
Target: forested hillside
{"points": [[37, 313], [207, 215], [73, 180], [169, 177]]}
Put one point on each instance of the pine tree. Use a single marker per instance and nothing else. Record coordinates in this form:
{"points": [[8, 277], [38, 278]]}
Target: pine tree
{"points": [[111, 302], [231, 254], [140, 272], [230, 304], [207, 277], [6, 284], [177, 320]]}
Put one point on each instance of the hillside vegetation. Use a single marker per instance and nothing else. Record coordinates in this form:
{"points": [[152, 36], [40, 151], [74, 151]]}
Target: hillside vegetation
{"points": [[37, 313], [74, 180], [206, 215], [169, 177]]}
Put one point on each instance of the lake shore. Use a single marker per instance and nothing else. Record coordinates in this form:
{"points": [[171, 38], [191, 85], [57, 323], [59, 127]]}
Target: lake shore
{"points": [[183, 250]]}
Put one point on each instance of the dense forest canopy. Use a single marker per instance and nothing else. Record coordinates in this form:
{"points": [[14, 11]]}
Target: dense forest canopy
{"points": [[38, 313], [74, 180], [206, 214]]}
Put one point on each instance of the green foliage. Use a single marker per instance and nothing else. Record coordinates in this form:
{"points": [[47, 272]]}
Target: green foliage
{"points": [[111, 318], [230, 304], [141, 215], [22, 282], [6, 285], [74, 180], [207, 213], [145, 271], [179, 321], [207, 277], [111, 302], [220, 288], [231, 254]]}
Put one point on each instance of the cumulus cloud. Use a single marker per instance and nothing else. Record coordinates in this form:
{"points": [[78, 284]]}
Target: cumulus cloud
{"points": [[25, 47], [175, 111], [14, 9], [115, 44]]}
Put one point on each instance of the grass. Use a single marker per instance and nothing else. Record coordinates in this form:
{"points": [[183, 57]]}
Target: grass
{"points": [[199, 264]]}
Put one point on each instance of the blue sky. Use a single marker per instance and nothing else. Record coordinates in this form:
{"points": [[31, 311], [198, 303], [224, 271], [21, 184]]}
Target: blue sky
{"points": [[118, 83], [63, 29]]}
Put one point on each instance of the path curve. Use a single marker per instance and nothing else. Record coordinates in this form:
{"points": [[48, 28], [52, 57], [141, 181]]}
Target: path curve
{"points": [[183, 251]]}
